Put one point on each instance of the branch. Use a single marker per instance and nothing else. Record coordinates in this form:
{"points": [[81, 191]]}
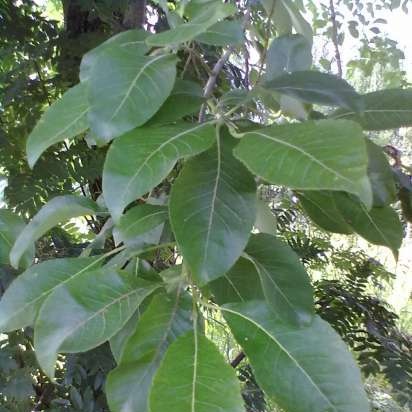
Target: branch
{"points": [[211, 83], [235, 362], [335, 38]]}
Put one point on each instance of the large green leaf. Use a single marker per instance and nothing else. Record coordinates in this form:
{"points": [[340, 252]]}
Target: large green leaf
{"points": [[133, 40], [316, 87], [142, 225], [138, 161], [323, 210], [285, 283], [223, 33], [288, 53], [313, 155], [384, 109], [127, 89], [265, 219], [23, 298], [194, 377], [186, 98], [212, 209], [11, 225], [379, 225], [380, 175], [303, 369], [165, 319], [198, 25], [57, 210], [85, 312], [64, 119]]}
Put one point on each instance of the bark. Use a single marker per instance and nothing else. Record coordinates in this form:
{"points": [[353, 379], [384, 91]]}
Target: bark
{"points": [[135, 15]]}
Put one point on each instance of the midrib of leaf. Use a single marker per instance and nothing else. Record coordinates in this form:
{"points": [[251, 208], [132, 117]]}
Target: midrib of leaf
{"points": [[133, 83], [5, 238], [165, 335], [157, 150], [99, 312], [323, 210], [142, 219], [374, 224], [57, 135], [290, 356], [214, 196], [260, 268], [306, 154], [49, 291]]}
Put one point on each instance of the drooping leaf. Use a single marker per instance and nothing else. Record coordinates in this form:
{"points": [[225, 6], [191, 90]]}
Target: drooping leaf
{"points": [[185, 99], [304, 369], [285, 283], [194, 377], [11, 225], [379, 225], [288, 53], [23, 298], [64, 119], [322, 209], [138, 161], [265, 219], [142, 225], [222, 34], [133, 40], [380, 175], [85, 312], [198, 25], [343, 213], [298, 21], [57, 210], [384, 109], [312, 156], [213, 208], [165, 319], [127, 89], [316, 87]]}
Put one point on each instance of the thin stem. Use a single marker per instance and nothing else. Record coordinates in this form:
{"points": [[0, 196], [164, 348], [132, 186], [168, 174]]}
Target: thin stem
{"points": [[335, 37]]}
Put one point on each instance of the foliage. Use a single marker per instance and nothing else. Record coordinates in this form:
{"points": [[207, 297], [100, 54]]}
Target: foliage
{"points": [[171, 199]]}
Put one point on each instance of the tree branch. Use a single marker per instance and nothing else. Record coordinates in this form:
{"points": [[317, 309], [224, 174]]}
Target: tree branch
{"points": [[335, 37], [211, 83]]}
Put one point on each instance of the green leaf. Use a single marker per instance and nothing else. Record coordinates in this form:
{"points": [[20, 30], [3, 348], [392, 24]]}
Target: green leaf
{"points": [[165, 319], [57, 210], [223, 33], [64, 119], [194, 377], [316, 87], [142, 225], [23, 298], [85, 312], [311, 368], [131, 40], [323, 210], [380, 175], [213, 208], [11, 225], [138, 161], [265, 218], [288, 53], [285, 282], [342, 213], [185, 99], [198, 25], [379, 225], [127, 89], [298, 22], [311, 156], [384, 109]]}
